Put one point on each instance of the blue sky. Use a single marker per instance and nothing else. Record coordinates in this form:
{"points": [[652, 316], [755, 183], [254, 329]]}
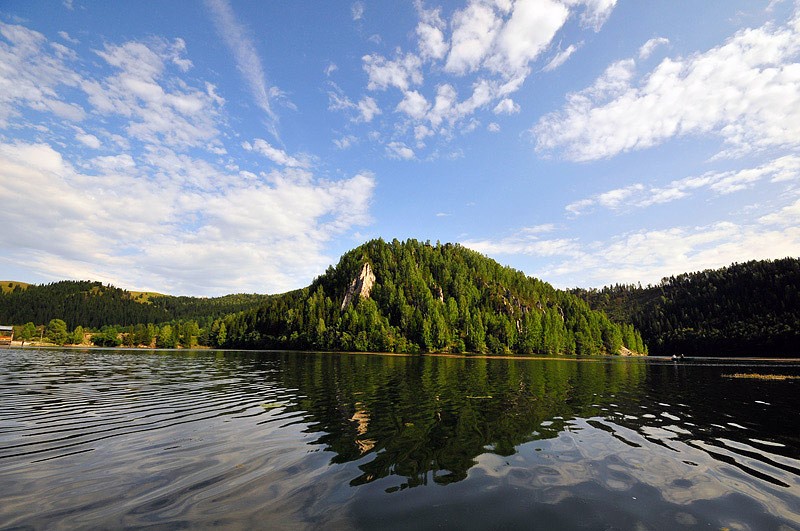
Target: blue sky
{"points": [[219, 147]]}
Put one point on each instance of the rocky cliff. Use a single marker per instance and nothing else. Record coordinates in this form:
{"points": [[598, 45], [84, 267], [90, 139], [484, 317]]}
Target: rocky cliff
{"points": [[361, 285]]}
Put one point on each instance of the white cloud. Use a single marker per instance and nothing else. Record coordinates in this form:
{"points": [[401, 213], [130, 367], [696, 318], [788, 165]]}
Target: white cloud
{"points": [[525, 246], [487, 45], [278, 156], [430, 32], [746, 91], [788, 216], [330, 69], [506, 106], [649, 47], [368, 109], [786, 168], [170, 231], [614, 198], [165, 209], [414, 105], [400, 73], [596, 12], [357, 10], [31, 74], [474, 31], [159, 108], [238, 40], [560, 58], [531, 28], [443, 105], [493, 127], [398, 150], [363, 111], [526, 241], [88, 140], [66, 36], [345, 142], [648, 255], [483, 36]]}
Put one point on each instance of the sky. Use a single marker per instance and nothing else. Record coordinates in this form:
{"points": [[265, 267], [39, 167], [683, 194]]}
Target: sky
{"points": [[206, 148]]}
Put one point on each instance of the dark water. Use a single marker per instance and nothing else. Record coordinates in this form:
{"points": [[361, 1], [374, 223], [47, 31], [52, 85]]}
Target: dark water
{"points": [[171, 440]]}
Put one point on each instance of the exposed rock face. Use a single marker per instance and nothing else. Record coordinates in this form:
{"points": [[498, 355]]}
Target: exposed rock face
{"points": [[361, 285], [439, 294]]}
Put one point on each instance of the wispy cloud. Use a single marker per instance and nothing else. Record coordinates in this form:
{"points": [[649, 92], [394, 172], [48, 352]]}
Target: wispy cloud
{"points": [[141, 192], [173, 230], [32, 74], [781, 169], [485, 50], [647, 255], [398, 150], [278, 156], [744, 91], [357, 10], [237, 37], [596, 12], [560, 58], [649, 47]]}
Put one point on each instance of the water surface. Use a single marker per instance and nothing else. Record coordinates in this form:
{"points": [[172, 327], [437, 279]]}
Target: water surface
{"points": [[244, 440]]}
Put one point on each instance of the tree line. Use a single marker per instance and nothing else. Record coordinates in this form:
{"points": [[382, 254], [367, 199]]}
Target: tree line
{"points": [[94, 305], [175, 334], [746, 309], [425, 298]]}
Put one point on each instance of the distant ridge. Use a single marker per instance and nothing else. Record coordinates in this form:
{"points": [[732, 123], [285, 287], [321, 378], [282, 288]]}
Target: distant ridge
{"points": [[93, 304], [745, 309]]}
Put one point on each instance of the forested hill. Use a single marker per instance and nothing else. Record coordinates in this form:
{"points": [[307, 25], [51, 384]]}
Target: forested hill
{"points": [[748, 309], [92, 304], [412, 296]]}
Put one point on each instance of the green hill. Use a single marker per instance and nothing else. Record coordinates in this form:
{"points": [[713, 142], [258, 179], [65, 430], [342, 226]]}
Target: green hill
{"points": [[748, 309], [8, 286], [93, 304], [417, 297]]}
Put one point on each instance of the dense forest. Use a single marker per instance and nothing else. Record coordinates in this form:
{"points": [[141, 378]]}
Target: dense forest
{"points": [[747, 309], [417, 297], [93, 305], [392, 297]]}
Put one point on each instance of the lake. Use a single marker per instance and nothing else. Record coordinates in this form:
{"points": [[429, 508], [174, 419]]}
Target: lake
{"points": [[277, 440]]}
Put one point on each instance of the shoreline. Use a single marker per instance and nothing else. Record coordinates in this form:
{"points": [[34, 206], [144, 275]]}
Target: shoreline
{"points": [[603, 357]]}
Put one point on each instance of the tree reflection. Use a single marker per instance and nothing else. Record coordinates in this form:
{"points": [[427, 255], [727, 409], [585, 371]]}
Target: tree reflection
{"points": [[428, 418]]}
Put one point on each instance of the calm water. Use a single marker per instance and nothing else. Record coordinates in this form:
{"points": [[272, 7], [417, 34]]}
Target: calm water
{"points": [[170, 440]]}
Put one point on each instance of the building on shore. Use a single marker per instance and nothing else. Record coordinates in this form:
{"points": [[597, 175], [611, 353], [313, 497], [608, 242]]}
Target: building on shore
{"points": [[6, 334]]}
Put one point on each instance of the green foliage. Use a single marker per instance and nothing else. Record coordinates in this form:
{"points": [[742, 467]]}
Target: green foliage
{"points": [[57, 332], [25, 332], [427, 298], [76, 338], [748, 309], [106, 337], [167, 337], [92, 304]]}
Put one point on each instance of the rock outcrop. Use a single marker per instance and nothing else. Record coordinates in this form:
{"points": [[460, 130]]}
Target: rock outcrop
{"points": [[361, 285]]}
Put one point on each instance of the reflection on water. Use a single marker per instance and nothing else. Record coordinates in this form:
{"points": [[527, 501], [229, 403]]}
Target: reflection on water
{"points": [[117, 439]]}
